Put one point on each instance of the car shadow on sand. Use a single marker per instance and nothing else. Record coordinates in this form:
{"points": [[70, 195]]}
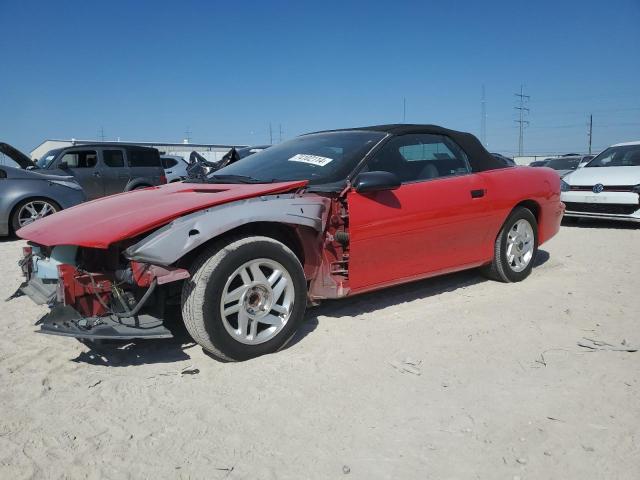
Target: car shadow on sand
{"points": [[120, 353], [408, 292], [169, 350]]}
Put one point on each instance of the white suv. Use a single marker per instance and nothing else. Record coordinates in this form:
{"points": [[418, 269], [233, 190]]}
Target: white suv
{"points": [[607, 187]]}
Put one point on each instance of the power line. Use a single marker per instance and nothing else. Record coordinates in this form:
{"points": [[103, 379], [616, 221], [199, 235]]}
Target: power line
{"points": [[522, 122], [404, 109]]}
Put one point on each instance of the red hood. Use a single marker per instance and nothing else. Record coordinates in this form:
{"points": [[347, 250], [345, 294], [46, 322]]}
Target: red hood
{"points": [[111, 219]]}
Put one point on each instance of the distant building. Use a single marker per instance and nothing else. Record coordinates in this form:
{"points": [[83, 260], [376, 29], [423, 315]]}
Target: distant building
{"points": [[211, 152]]}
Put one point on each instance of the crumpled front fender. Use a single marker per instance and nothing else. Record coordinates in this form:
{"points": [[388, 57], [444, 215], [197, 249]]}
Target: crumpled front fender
{"points": [[171, 242]]}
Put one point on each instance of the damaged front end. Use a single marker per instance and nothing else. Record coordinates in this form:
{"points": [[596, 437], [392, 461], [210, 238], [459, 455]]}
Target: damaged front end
{"points": [[98, 293]]}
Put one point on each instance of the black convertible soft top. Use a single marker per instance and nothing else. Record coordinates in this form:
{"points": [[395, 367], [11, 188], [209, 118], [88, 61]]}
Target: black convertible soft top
{"points": [[479, 158]]}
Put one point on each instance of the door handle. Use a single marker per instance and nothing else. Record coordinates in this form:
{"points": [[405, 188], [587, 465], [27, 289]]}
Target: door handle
{"points": [[96, 174], [478, 193], [168, 171]]}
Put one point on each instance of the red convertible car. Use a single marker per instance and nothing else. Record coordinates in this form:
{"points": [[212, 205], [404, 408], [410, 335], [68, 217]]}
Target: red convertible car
{"points": [[326, 215]]}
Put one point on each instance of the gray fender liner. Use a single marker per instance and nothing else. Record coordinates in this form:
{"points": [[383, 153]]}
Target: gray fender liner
{"points": [[171, 242]]}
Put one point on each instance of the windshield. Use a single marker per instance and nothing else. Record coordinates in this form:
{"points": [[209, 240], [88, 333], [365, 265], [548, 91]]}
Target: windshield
{"points": [[320, 158], [48, 157], [564, 163], [623, 156]]}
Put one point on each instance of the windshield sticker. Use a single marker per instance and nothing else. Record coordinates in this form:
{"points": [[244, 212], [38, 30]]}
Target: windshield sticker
{"points": [[311, 159]]}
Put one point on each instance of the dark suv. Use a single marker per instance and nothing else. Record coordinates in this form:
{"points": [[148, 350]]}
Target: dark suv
{"points": [[105, 169]]}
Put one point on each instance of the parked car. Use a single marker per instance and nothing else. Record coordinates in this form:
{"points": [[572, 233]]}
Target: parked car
{"points": [[175, 167], [506, 160], [104, 169], [27, 195], [607, 187], [585, 159], [539, 163], [322, 216], [564, 165]]}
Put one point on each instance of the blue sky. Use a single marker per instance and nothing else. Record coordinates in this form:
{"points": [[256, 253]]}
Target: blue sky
{"points": [[225, 70]]}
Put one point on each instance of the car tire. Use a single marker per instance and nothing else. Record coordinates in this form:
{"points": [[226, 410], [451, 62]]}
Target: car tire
{"points": [[515, 248], [229, 304], [37, 204]]}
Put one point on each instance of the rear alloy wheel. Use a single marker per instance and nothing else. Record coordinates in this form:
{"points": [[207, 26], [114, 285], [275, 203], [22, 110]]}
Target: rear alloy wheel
{"points": [[515, 247], [29, 211], [245, 298]]}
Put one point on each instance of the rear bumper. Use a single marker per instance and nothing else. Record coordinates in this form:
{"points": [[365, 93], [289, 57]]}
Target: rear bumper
{"points": [[550, 220]]}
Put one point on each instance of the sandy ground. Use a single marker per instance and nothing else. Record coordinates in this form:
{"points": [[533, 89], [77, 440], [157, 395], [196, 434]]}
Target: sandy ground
{"points": [[456, 377]]}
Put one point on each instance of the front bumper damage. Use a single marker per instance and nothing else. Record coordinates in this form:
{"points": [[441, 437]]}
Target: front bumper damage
{"points": [[129, 303], [67, 321]]}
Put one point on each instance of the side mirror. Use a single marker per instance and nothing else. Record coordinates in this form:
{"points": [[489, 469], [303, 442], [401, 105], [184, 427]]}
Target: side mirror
{"points": [[376, 182], [63, 165]]}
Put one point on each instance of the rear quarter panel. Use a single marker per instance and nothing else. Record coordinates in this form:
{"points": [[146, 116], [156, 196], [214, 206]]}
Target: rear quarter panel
{"points": [[508, 187]]}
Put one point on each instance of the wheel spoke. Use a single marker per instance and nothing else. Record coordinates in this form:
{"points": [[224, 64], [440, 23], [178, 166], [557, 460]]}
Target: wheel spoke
{"points": [[257, 274], [243, 322], [254, 329], [279, 288], [234, 296], [273, 278], [271, 320], [280, 309], [246, 278], [46, 210], [235, 308], [509, 250], [31, 209]]}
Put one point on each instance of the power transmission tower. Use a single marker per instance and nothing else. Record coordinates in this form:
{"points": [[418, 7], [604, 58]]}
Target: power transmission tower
{"points": [[187, 135], [270, 134], [483, 119], [590, 131], [280, 128], [521, 121], [101, 134]]}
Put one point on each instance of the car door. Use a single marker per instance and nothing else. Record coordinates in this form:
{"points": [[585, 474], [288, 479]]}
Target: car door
{"points": [[434, 222], [171, 169], [83, 165], [144, 166], [115, 171]]}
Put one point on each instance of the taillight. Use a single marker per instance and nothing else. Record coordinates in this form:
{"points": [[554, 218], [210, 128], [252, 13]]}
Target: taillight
{"points": [[163, 179]]}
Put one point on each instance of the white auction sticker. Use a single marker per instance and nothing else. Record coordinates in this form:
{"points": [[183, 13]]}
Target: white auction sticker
{"points": [[311, 159]]}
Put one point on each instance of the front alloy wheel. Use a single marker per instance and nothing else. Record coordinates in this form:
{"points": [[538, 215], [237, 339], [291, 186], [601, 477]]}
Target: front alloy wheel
{"points": [[257, 301], [246, 297]]}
